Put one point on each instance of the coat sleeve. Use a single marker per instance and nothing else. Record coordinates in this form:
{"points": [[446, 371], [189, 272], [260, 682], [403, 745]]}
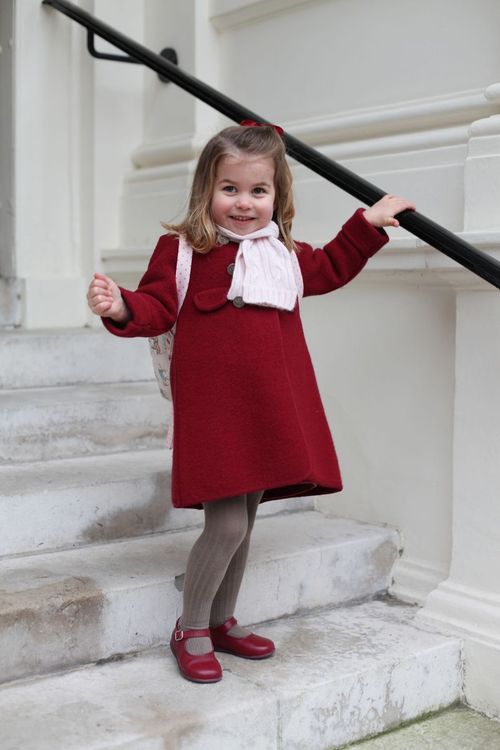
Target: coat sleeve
{"points": [[153, 306], [332, 266]]}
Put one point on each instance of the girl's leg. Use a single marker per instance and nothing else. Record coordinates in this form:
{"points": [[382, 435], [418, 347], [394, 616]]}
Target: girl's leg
{"points": [[226, 524], [224, 602]]}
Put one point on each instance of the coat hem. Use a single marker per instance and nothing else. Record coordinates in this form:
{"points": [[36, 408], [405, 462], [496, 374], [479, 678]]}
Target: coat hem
{"points": [[297, 489]]}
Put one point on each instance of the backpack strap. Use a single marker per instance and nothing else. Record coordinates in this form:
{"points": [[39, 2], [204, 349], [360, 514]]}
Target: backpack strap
{"points": [[161, 347], [298, 275], [183, 270], [182, 275]]}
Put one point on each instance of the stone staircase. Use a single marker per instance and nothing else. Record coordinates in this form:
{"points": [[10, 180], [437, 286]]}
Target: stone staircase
{"points": [[92, 557]]}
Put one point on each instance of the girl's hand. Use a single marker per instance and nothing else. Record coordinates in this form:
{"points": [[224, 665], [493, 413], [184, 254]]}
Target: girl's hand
{"points": [[382, 213], [105, 299]]}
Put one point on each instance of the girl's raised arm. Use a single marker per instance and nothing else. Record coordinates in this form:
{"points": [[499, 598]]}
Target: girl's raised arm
{"points": [[339, 261], [152, 308]]}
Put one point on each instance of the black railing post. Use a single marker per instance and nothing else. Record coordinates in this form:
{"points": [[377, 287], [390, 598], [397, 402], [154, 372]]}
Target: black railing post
{"points": [[474, 260]]}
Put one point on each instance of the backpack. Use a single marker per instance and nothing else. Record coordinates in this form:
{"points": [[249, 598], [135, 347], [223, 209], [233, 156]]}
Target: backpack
{"points": [[161, 347]]}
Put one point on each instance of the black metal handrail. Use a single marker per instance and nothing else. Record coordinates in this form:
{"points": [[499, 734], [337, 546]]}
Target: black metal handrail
{"points": [[427, 230]]}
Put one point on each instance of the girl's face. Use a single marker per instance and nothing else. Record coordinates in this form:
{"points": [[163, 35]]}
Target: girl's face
{"points": [[243, 198]]}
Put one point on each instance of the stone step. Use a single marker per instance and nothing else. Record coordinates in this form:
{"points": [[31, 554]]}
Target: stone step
{"points": [[61, 609], [72, 502], [46, 423], [337, 676], [33, 359]]}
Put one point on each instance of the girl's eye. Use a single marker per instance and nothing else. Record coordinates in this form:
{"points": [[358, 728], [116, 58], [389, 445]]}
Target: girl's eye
{"points": [[229, 189], [260, 190]]}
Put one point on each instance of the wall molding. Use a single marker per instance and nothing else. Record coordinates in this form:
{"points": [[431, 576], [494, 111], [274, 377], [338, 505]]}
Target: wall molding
{"points": [[126, 260], [418, 124], [466, 610], [225, 14], [177, 149], [462, 107], [474, 616], [396, 143], [409, 260], [413, 580]]}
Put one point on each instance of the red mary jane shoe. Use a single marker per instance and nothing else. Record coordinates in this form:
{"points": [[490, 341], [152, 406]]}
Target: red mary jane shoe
{"points": [[250, 647], [200, 668]]}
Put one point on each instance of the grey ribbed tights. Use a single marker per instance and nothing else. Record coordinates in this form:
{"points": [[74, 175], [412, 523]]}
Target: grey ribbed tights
{"points": [[216, 565]]}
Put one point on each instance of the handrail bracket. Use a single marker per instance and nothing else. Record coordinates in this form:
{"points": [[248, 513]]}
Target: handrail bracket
{"points": [[168, 53]]}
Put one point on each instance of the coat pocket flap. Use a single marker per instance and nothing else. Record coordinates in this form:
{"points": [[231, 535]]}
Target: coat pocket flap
{"points": [[210, 299]]}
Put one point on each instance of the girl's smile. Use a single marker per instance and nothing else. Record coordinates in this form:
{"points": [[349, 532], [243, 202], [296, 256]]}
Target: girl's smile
{"points": [[243, 198]]}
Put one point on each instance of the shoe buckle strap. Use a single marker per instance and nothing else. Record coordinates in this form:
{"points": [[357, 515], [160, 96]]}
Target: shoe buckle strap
{"points": [[180, 634], [226, 626]]}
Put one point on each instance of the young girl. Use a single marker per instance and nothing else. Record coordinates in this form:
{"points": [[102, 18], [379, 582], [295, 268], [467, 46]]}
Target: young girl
{"points": [[249, 423]]}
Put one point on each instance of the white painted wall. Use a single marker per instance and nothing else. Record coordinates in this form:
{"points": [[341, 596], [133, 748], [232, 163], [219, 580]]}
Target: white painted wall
{"points": [[341, 55], [118, 118], [384, 354]]}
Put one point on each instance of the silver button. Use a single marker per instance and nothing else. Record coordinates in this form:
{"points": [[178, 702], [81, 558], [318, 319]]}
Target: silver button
{"points": [[238, 302], [230, 269]]}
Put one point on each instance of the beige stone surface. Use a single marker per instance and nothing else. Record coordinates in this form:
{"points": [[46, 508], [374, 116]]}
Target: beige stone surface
{"points": [[456, 729]]}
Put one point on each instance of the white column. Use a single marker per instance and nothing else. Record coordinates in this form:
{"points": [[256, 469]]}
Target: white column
{"points": [[482, 175], [53, 137], [6, 141], [10, 286], [469, 600]]}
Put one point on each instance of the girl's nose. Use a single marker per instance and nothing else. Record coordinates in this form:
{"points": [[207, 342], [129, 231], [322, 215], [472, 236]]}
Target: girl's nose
{"points": [[243, 201]]}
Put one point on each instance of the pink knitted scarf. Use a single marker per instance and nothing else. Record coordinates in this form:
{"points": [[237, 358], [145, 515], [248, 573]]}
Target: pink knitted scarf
{"points": [[265, 272]]}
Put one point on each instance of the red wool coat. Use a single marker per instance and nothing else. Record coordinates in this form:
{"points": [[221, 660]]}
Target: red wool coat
{"points": [[247, 410]]}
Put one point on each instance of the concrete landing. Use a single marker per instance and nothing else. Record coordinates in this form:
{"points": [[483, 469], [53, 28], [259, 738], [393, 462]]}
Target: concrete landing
{"points": [[337, 676], [456, 729]]}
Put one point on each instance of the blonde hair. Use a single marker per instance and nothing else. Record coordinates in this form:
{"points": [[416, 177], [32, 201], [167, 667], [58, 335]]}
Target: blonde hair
{"points": [[198, 225]]}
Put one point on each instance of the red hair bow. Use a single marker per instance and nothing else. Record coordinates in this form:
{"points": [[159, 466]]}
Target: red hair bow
{"points": [[253, 124]]}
